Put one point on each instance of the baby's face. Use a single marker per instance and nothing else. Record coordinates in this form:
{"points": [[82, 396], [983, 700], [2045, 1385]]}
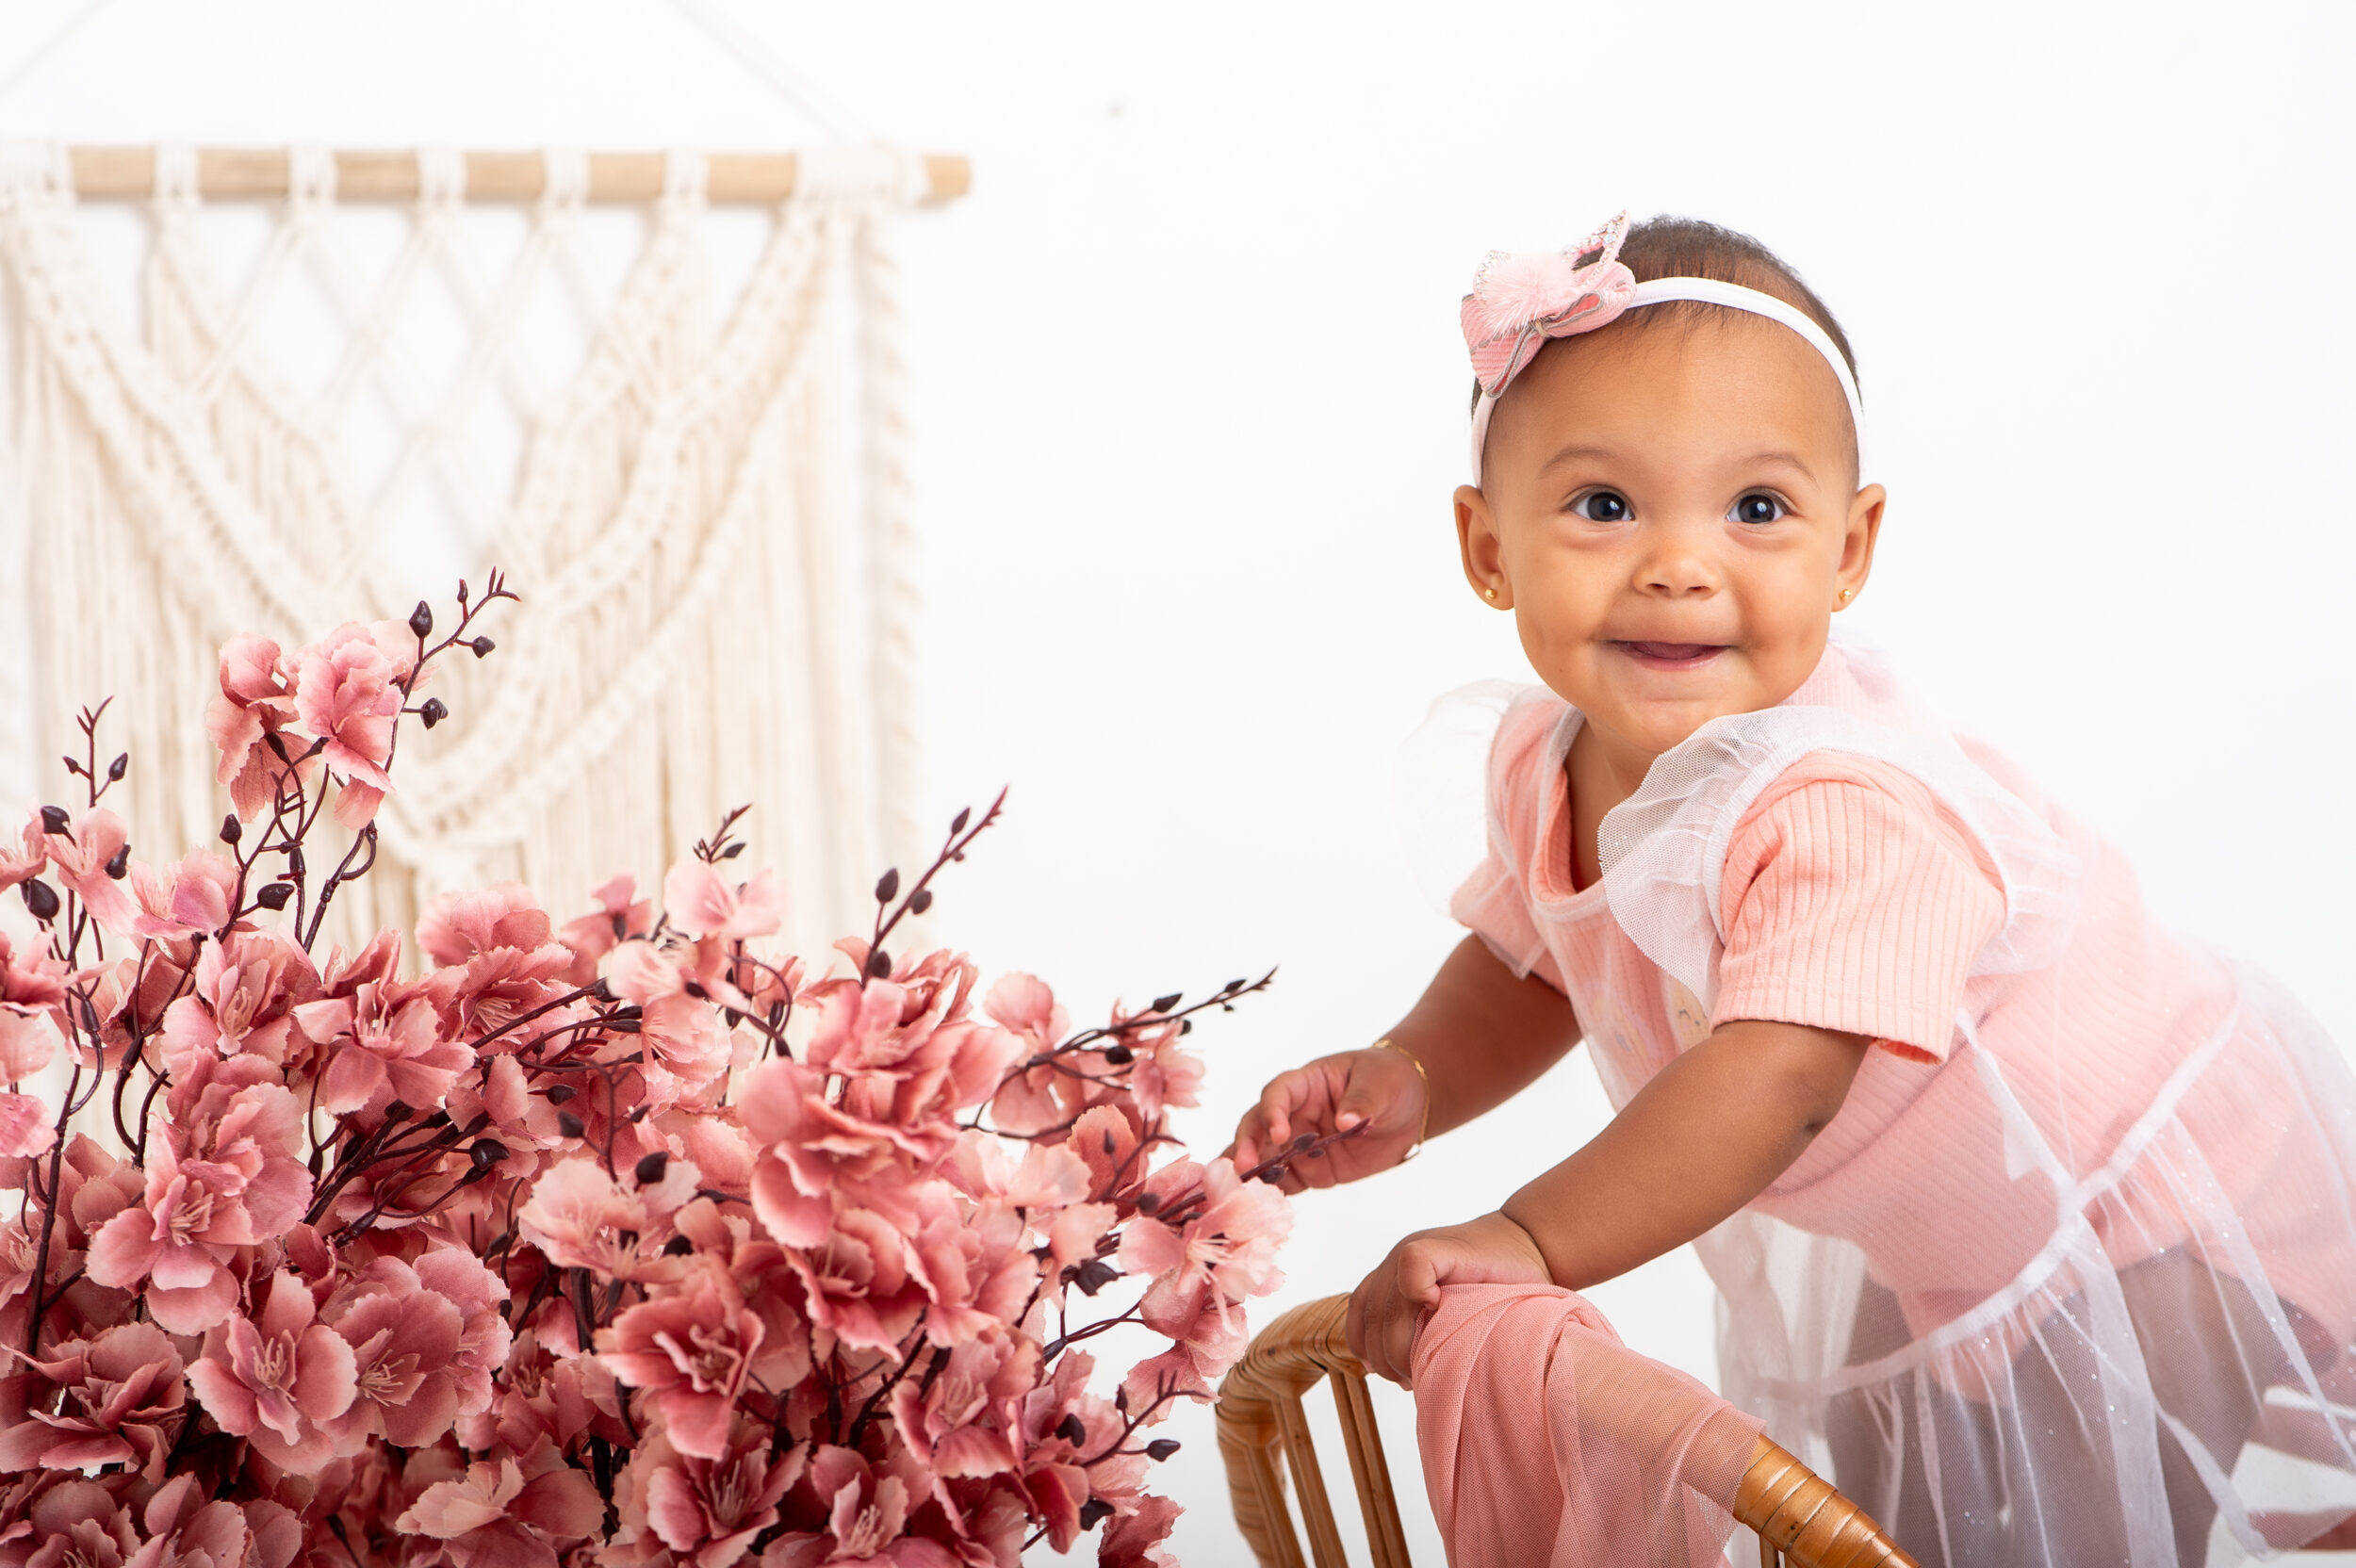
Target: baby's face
{"points": [[1671, 513]]}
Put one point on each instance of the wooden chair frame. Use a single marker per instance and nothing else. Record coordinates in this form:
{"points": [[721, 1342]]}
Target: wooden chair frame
{"points": [[1801, 1520]]}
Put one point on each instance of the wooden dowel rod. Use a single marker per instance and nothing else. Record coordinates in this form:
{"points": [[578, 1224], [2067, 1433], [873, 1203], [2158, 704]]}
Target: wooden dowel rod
{"points": [[260, 173]]}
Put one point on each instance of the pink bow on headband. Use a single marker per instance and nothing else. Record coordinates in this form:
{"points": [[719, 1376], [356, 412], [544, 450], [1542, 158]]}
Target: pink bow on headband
{"points": [[1518, 302]]}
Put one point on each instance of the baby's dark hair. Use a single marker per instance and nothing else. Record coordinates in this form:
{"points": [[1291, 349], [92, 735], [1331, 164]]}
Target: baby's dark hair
{"points": [[1670, 247], [1667, 247]]}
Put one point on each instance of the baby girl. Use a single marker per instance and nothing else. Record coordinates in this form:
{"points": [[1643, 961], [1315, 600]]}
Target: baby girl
{"points": [[2034, 1223]]}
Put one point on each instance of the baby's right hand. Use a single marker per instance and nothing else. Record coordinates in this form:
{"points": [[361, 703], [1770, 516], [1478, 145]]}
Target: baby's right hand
{"points": [[1379, 1089]]}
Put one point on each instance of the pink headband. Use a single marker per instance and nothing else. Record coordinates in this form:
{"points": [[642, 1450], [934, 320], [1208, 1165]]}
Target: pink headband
{"points": [[1518, 302]]}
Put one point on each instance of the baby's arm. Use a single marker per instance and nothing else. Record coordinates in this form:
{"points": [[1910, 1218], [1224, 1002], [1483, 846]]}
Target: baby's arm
{"points": [[1481, 1034], [1707, 1135]]}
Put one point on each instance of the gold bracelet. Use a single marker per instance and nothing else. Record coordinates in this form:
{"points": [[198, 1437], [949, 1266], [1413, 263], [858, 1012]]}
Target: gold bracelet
{"points": [[1423, 1131]]}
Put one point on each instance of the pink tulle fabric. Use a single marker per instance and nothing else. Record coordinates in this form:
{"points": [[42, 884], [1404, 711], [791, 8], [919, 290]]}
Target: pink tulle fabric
{"points": [[1546, 1441]]}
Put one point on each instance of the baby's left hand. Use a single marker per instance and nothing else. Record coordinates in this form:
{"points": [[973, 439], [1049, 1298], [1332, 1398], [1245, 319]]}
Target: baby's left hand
{"points": [[1388, 1304]]}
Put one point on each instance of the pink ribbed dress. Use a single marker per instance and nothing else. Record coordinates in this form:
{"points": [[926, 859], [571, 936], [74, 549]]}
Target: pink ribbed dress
{"points": [[2069, 1279]]}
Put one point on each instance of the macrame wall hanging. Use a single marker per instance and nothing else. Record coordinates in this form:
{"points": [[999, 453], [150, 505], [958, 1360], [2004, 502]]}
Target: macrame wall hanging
{"points": [[707, 515]]}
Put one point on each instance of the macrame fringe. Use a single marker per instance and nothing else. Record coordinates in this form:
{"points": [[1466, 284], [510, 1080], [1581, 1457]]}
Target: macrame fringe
{"points": [[710, 528]]}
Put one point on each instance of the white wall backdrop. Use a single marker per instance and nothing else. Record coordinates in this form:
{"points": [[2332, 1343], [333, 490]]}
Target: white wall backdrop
{"points": [[1190, 403]]}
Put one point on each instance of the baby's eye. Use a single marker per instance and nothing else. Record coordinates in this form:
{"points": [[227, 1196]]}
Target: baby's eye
{"points": [[1757, 507], [1602, 506]]}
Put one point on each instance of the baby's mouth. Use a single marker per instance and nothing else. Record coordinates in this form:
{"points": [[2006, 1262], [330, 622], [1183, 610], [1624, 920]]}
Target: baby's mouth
{"points": [[1672, 656]]}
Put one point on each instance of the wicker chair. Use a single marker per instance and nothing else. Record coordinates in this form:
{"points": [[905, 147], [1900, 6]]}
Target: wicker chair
{"points": [[1801, 1520]]}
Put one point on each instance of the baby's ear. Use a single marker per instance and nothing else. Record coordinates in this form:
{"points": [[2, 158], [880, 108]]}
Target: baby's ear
{"points": [[1864, 532], [1477, 542]]}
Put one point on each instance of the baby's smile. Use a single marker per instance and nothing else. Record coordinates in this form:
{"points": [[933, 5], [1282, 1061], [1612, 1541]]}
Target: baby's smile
{"points": [[1669, 656]]}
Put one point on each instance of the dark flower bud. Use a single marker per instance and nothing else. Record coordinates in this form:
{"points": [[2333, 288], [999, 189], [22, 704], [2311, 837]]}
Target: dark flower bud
{"points": [[1302, 1141], [1161, 1448], [1163, 1003], [294, 860], [53, 819], [602, 991], [1231, 988], [650, 1169], [1120, 1055], [570, 1125], [1149, 1202], [116, 769], [275, 896], [1093, 1512], [432, 710], [487, 1152], [920, 901], [41, 899], [462, 590], [399, 1110], [559, 1093], [119, 864], [482, 646], [732, 851], [678, 1246], [1185, 1026], [1071, 1430], [888, 886], [231, 828], [1093, 1274], [879, 963], [277, 746], [421, 620], [957, 824], [1109, 1145], [1120, 1398]]}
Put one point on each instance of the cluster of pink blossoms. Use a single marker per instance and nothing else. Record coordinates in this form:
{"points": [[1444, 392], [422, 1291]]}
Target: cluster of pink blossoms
{"points": [[625, 1242]]}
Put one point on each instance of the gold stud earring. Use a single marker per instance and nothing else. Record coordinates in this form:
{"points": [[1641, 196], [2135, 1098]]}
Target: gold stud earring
{"points": [[1847, 594], [1491, 591]]}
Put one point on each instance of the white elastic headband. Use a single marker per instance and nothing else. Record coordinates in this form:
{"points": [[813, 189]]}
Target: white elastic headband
{"points": [[1710, 291]]}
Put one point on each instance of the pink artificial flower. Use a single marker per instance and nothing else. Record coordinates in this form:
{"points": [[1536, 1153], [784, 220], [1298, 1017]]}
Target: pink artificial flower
{"points": [[700, 902], [691, 1349], [621, 914], [498, 1516], [196, 900], [1051, 1186], [121, 1404], [579, 1216], [685, 1047], [1224, 1252], [89, 858], [496, 960], [254, 701], [415, 1371], [78, 1523], [976, 1267], [223, 1178], [242, 1000], [706, 1510], [32, 988], [26, 1129], [1140, 1538], [278, 1382], [458, 926], [866, 1513], [383, 1044], [966, 1422], [1165, 1074], [28, 861], [860, 1283], [187, 1531], [1035, 1099], [811, 1155], [345, 693]]}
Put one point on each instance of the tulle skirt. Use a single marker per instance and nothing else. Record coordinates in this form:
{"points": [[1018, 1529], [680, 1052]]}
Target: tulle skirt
{"points": [[2165, 1380]]}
